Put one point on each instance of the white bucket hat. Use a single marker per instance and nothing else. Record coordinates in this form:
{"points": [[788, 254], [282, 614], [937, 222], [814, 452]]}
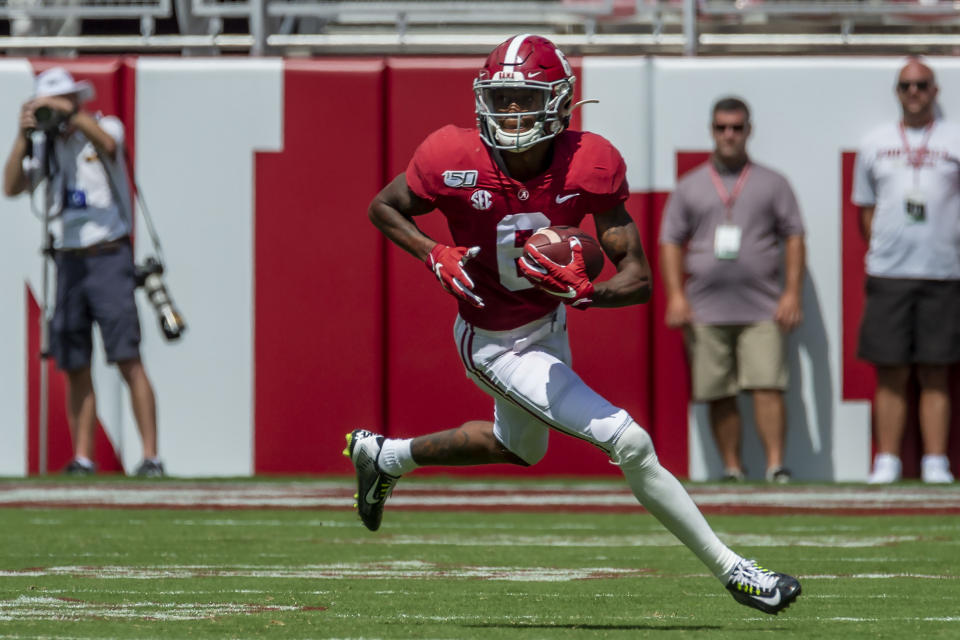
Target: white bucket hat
{"points": [[57, 81]]}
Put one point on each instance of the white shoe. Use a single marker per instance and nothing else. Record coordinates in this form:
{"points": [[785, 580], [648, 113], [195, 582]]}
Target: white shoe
{"points": [[886, 469], [936, 470]]}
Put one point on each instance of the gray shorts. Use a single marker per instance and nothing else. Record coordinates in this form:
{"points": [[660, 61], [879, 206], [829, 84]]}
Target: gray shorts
{"points": [[725, 359], [94, 287], [910, 321]]}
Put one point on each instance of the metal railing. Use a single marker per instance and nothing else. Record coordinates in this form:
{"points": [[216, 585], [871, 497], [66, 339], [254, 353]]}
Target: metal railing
{"points": [[326, 27]]}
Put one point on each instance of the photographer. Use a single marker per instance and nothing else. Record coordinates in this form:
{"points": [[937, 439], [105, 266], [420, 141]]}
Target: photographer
{"points": [[87, 199]]}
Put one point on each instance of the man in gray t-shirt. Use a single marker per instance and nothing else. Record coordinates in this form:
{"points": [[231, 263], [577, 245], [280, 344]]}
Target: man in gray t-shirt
{"points": [[734, 229]]}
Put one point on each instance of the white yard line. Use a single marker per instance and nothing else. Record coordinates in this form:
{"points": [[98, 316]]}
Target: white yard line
{"points": [[399, 570], [395, 570], [326, 494]]}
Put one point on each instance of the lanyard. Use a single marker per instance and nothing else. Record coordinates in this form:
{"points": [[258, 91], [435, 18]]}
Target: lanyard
{"points": [[915, 158], [729, 198]]}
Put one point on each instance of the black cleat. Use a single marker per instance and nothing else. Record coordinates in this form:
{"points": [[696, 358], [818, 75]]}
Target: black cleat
{"points": [[756, 587], [373, 485]]}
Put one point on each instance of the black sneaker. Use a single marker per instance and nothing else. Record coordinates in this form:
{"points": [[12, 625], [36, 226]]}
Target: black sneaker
{"points": [[778, 475], [150, 469], [373, 485], [733, 475], [77, 468], [762, 589]]}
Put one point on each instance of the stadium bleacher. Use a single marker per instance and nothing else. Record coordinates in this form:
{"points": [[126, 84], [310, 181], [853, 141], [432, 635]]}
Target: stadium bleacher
{"points": [[319, 27]]}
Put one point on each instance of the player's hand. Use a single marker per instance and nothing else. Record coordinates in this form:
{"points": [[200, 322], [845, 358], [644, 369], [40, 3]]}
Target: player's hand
{"points": [[568, 282], [679, 314], [447, 264]]}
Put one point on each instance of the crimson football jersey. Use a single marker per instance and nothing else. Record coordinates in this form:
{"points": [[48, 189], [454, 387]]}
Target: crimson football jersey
{"points": [[454, 170]]}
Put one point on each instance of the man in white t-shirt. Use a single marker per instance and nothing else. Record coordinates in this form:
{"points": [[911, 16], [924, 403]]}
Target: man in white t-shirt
{"points": [[79, 162], [907, 185]]}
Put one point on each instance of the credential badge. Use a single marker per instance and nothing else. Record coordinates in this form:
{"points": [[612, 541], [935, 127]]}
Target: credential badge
{"points": [[458, 179], [481, 199]]}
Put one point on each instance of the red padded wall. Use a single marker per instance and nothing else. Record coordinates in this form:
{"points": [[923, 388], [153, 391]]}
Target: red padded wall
{"points": [[318, 318], [671, 375], [858, 377], [426, 388], [104, 74]]}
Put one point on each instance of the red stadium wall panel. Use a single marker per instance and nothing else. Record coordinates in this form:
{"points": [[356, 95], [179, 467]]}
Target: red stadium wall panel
{"points": [[669, 361], [318, 319], [104, 75], [425, 386]]}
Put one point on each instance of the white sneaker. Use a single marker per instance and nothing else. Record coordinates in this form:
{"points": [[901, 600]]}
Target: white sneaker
{"points": [[886, 469], [936, 470]]}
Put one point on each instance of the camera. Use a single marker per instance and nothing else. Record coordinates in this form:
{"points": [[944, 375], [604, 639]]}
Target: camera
{"points": [[149, 275], [48, 119]]}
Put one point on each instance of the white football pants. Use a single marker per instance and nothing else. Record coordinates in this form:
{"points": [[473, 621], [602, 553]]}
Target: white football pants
{"points": [[527, 371]]}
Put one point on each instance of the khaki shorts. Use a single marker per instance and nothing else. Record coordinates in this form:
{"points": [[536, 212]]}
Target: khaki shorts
{"points": [[725, 359]]}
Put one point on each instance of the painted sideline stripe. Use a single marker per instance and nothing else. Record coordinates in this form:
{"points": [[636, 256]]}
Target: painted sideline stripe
{"points": [[478, 496], [386, 570], [413, 569]]}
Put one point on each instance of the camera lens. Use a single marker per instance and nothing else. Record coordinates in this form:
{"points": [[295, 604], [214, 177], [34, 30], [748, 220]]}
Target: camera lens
{"points": [[43, 114], [47, 119]]}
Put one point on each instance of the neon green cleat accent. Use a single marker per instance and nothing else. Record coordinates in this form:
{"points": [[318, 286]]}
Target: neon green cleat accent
{"points": [[769, 591]]}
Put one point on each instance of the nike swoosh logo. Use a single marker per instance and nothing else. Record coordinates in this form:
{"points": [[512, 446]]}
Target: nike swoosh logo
{"points": [[562, 199], [773, 600], [372, 498], [569, 293]]}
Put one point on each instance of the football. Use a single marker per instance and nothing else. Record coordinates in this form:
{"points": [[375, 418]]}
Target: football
{"points": [[554, 242]]}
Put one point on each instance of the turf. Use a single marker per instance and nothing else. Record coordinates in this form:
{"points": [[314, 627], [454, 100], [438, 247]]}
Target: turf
{"points": [[157, 573]]}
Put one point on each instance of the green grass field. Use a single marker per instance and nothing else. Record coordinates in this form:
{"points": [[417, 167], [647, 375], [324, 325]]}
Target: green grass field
{"points": [[217, 573]]}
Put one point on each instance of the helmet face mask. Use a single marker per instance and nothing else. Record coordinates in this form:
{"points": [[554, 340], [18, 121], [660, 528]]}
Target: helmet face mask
{"points": [[523, 93]]}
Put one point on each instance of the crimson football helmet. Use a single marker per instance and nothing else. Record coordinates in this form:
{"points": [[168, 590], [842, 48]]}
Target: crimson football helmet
{"points": [[524, 93]]}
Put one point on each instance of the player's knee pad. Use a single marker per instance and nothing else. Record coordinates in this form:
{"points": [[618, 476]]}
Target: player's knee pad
{"points": [[634, 448]]}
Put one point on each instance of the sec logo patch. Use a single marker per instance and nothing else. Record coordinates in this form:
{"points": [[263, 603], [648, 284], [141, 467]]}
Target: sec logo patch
{"points": [[481, 200]]}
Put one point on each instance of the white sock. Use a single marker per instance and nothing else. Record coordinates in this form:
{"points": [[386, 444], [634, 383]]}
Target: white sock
{"points": [[666, 499], [935, 460], [84, 460], [395, 457]]}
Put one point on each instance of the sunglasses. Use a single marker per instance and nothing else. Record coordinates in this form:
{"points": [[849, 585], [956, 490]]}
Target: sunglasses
{"points": [[921, 85], [720, 128]]}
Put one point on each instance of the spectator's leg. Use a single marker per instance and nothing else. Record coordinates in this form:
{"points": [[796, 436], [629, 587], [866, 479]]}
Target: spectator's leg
{"points": [[81, 411], [144, 403], [21, 25], [890, 407], [934, 408], [770, 414], [725, 423]]}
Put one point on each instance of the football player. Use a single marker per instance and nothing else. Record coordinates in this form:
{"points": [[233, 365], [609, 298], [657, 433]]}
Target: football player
{"points": [[522, 169]]}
